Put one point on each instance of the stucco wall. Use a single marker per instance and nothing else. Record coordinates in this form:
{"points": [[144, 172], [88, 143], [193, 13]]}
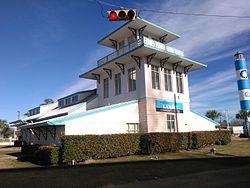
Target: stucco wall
{"points": [[125, 94], [106, 120]]}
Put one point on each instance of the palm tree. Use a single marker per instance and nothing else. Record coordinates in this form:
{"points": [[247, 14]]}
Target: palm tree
{"points": [[47, 101], [244, 115], [213, 114], [5, 130]]}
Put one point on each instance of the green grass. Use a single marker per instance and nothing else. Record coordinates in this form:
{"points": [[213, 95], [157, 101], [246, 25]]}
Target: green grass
{"points": [[237, 148], [8, 158], [131, 168], [240, 148]]}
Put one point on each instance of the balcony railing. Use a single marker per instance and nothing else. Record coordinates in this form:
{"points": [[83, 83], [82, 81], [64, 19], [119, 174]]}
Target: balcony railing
{"points": [[139, 42]]}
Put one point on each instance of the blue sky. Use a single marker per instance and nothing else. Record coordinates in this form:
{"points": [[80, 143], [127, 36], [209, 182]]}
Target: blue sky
{"points": [[46, 44]]}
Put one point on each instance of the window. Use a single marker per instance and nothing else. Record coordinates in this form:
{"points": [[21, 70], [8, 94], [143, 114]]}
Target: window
{"points": [[34, 111], [179, 82], [168, 80], [118, 84], [155, 77], [132, 79], [74, 98], [61, 103], [121, 44], [133, 127], [170, 123], [67, 101], [105, 88]]}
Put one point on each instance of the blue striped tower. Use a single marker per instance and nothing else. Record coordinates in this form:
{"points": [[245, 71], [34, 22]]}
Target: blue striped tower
{"points": [[242, 80], [243, 83]]}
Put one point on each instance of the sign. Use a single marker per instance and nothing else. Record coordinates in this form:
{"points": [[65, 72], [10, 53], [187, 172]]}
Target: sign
{"points": [[169, 106]]}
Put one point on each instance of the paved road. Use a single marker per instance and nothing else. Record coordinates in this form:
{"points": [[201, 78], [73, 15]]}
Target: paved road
{"points": [[235, 177]]}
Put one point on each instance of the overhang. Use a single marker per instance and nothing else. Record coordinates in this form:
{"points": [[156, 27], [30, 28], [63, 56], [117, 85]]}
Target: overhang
{"points": [[150, 29], [143, 51]]}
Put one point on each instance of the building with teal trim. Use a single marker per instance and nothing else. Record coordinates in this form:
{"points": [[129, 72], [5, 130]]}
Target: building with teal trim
{"points": [[142, 86]]}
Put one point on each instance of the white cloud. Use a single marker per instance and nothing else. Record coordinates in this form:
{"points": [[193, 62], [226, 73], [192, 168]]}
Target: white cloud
{"points": [[202, 36], [80, 85], [218, 91]]}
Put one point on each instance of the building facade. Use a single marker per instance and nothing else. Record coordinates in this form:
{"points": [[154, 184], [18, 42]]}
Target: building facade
{"points": [[140, 87]]}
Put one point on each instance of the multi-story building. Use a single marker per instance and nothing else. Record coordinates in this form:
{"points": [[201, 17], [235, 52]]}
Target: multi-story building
{"points": [[141, 87]]}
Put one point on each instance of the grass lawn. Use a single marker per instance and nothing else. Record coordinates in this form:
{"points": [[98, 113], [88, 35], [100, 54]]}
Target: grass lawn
{"points": [[237, 148], [195, 169], [8, 158]]}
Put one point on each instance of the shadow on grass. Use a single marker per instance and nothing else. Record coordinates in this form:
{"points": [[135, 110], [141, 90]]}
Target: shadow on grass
{"points": [[92, 175]]}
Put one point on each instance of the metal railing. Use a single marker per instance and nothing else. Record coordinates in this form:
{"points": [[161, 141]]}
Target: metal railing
{"points": [[137, 43]]}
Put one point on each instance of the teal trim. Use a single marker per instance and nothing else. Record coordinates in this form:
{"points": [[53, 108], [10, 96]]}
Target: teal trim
{"points": [[194, 61], [205, 117], [147, 46], [91, 112], [32, 117], [77, 108], [110, 61], [163, 51], [159, 27], [150, 23]]}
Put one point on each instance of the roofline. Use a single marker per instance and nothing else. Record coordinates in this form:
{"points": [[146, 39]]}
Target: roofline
{"points": [[142, 45], [109, 61], [205, 117], [178, 36], [79, 92], [62, 120]]}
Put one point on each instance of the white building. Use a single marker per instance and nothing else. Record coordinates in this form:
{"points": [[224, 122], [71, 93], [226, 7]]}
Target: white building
{"points": [[141, 87]]}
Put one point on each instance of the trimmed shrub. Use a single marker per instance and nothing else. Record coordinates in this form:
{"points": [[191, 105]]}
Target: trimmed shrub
{"points": [[47, 155], [41, 154], [202, 139], [80, 148], [153, 143]]}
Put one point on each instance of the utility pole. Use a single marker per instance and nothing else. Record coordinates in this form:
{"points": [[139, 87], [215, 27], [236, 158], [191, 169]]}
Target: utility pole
{"points": [[226, 113]]}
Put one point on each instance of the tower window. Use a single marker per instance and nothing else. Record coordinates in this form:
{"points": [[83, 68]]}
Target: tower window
{"points": [[118, 84], [132, 79], [155, 77], [168, 80], [105, 88], [179, 82]]}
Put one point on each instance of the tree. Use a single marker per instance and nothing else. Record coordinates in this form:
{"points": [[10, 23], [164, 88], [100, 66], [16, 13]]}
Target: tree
{"points": [[244, 115], [5, 129], [47, 101], [213, 114]]}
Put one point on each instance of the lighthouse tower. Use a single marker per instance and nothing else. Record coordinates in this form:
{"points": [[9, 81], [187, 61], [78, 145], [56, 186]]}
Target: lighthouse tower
{"points": [[243, 83], [242, 79]]}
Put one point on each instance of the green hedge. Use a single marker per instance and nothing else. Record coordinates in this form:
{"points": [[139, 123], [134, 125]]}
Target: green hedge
{"points": [[80, 148], [202, 139], [41, 154], [153, 143]]}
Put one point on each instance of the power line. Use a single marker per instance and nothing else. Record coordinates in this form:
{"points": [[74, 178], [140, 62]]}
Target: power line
{"points": [[170, 12], [195, 14]]}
